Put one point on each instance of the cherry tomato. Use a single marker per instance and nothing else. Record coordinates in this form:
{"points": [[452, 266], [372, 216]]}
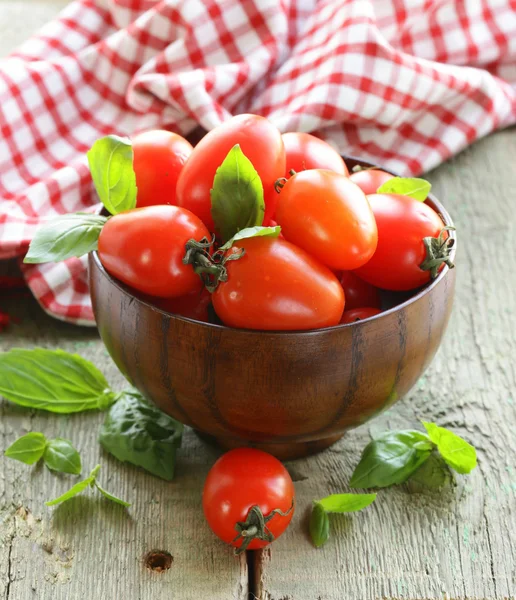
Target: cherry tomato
{"points": [[358, 314], [305, 151], [240, 480], [159, 157], [369, 180], [277, 286], [358, 292], [144, 248], [193, 306], [259, 140], [329, 216], [402, 222]]}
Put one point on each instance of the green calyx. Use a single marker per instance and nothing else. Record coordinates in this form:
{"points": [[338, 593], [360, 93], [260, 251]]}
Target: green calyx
{"points": [[437, 252], [255, 527]]}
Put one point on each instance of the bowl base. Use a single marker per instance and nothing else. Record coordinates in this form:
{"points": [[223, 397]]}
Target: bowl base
{"points": [[282, 451]]}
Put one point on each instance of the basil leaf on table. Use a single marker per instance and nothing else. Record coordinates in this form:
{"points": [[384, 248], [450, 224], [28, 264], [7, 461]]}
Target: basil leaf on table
{"points": [[433, 473], [407, 186], [139, 433], [237, 195], [53, 380], [76, 489], [28, 449], [90, 481], [390, 459], [75, 234], [344, 503], [111, 165], [319, 525], [61, 456], [111, 497], [458, 454], [250, 232]]}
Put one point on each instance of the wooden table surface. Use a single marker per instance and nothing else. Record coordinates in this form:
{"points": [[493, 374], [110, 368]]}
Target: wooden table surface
{"points": [[459, 542]]}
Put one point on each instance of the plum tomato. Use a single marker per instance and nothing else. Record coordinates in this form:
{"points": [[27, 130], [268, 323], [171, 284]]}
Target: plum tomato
{"points": [[369, 180], [305, 151], [358, 293], [159, 157], [193, 306], [261, 143], [359, 314], [402, 223], [248, 499], [277, 286], [329, 216], [144, 248]]}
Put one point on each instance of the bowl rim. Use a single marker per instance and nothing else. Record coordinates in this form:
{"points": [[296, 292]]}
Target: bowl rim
{"points": [[350, 160]]}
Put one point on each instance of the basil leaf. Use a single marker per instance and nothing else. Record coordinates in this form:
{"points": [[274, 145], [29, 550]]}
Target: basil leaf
{"points": [[136, 432], [75, 234], [237, 195], [390, 459], [250, 232], [319, 525], [461, 456], [111, 497], [343, 503], [407, 186], [111, 166], [76, 489], [28, 449], [61, 456], [433, 473], [52, 380]]}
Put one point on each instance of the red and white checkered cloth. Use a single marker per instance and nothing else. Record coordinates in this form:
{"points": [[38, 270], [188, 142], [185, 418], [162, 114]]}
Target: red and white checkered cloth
{"points": [[404, 83]]}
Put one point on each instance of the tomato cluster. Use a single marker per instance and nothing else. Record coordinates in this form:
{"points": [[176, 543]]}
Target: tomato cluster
{"points": [[340, 240]]}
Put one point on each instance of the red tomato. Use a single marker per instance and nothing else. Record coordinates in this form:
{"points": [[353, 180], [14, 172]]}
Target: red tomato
{"points": [[402, 222], [159, 157], [240, 480], [305, 151], [193, 306], [259, 140], [369, 180], [358, 292], [329, 216], [277, 286], [144, 248], [358, 314]]}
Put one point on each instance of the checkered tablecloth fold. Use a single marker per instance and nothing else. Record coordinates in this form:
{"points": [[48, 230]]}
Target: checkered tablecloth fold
{"points": [[404, 83]]}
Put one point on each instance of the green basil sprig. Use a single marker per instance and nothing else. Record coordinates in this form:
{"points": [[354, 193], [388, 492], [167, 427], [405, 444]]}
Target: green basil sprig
{"points": [[395, 456], [139, 433], [407, 186], [53, 380], [70, 235], [237, 195], [250, 232], [336, 503], [58, 454], [90, 481]]}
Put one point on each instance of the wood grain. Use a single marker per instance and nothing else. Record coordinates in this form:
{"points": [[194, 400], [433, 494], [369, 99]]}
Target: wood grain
{"points": [[415, 543]]}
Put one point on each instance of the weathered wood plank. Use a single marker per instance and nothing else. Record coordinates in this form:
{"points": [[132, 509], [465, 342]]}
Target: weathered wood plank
{"points": [[90, 548], [413, 543]]}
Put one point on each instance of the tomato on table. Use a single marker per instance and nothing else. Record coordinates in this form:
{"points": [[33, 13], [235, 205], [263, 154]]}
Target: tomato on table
{"points": [[329, 216], [277, 286], [359, 314], [159, 156], [358, 293], [240, 486], [261, 143], [144, 248], [402, 223], [369, 180], [305, 151]]}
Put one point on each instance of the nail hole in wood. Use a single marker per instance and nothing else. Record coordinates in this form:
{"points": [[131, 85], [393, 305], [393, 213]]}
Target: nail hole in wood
{"points": [[158, 560]]}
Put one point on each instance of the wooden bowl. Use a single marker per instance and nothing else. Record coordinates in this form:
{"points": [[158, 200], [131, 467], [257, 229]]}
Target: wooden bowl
{"points": [[289, 393]]}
